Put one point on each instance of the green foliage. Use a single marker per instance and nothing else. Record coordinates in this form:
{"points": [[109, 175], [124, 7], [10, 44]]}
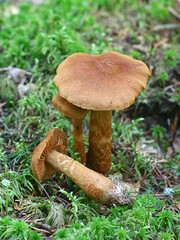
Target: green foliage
{"points": [[159, 133], [158, 9], [122, 166], [122, 233], [165, 93], [171, 58], [81, 208], [165, 236], [120, 4], [165, 220], [2, 155], [101, 45], [51, 33], [55, 216], [178, 155], [136, 54], [14, 229], [140, 162], [109, 4], [33, 235], [176, 98], [162, 78], [17, 230], [37, 206], [21, 155], [6, 184], [11, 91], [137, 222], [13, 185], [63, 233], [129, 132]]}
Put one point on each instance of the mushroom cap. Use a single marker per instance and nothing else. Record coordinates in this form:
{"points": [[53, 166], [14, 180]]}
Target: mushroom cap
{"points": [[109, 81], [67, 108], [55, 140]]}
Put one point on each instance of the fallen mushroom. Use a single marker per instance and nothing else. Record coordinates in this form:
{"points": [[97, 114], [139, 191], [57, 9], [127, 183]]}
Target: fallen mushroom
{"points": [[50, 156], [77, 114], [101, 83]]}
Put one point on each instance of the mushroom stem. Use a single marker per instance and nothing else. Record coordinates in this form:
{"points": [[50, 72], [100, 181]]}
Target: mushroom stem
{"points": [[95, 185], [78, 139], [99, 154]]}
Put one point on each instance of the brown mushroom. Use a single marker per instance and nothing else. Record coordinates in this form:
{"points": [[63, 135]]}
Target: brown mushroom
{"points": [[50, 156], [77, 114], [101, 83]]}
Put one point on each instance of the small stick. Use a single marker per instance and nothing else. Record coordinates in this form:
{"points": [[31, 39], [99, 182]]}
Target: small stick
{"points": [[173, 11], [11, 68], [39, 230], [84, 17], [170, 26]]}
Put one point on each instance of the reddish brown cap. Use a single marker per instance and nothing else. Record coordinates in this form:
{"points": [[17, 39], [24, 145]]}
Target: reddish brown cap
{"points": [[55, 140], [109, 81], [67, 108]]}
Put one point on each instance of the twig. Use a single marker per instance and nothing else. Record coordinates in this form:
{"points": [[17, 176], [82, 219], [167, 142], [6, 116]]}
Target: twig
{"points": [[28, 216], [19, 168], [168, 182], [43, 225], [173, 11], [158, 161], [4, 69], [16, 205], [142, 180], [41, 219], [157, 169], [157, 174], [84, 16], [1, 105], [10, 68], [43, 189], [170, 26], [6, 127], [23, 208], [64, 202], [39, 230]]}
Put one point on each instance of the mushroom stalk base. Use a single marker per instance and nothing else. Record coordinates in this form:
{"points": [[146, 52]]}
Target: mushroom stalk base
{"points": [[99, 154], [95, 185], [78, 139]]}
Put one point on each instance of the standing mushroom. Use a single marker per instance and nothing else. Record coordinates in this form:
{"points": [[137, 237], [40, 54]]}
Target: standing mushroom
{"points": [[77, 114], [101, 83], [50, 156]]}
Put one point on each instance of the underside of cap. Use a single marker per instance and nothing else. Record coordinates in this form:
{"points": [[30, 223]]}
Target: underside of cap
{"points": [[109, 81], [55, 140], [67, 108]]}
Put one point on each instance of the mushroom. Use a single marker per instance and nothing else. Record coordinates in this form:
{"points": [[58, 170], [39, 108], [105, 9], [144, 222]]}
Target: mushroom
{"points": [[50, 156], [77, 114], [101, 83]]}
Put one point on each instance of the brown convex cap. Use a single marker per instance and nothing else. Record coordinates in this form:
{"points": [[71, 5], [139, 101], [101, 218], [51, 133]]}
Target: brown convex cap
{"points": [[67, 108], [55, 140], [109, 81]]}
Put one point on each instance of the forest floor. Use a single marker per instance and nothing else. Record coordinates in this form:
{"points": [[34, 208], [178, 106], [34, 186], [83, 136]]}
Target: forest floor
{"points": [[35, 37]]}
